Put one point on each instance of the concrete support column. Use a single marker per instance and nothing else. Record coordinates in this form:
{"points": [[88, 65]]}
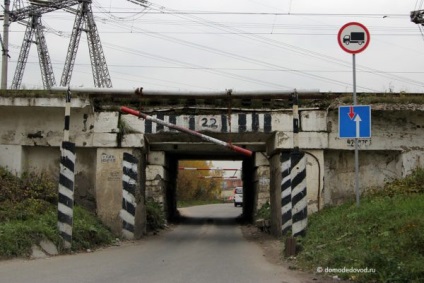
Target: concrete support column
{"points": [[275, 195], [109, 186], [249, 190], [315, 169], [156, 176], [262, 180], [161, 181]]}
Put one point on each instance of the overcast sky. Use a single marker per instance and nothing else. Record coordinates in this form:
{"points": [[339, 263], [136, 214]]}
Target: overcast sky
{"points": [[204, 45]]}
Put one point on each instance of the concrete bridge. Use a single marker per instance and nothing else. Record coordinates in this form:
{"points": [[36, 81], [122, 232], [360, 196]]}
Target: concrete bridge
{"points": [[32, 122]]}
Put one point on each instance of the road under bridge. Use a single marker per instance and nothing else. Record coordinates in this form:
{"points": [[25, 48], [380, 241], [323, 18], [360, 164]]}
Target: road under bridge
{"points": [[31, 127]]}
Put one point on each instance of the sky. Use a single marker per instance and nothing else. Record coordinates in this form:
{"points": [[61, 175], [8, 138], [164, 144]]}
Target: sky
{"points": [[244, 45]]}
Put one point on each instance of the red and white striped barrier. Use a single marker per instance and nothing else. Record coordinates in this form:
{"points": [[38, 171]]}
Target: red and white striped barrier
{"points": [[188, 131]]}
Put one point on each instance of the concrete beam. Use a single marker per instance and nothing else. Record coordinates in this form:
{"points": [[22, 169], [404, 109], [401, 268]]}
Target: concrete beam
{"points": [[43, 101], [307, 140], [313, 120]]}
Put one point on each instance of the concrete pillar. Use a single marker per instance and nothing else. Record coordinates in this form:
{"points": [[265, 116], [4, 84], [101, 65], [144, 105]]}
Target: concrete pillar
{"points": [[249, 190], [275, 195], [109, 189], [262, 180], [315, 169], [161, 181], [156, 176]]}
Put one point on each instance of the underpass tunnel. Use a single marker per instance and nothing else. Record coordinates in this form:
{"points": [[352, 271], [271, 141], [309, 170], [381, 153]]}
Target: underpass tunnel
{"points": [[162, 173], [165, 151], [244, 213]]}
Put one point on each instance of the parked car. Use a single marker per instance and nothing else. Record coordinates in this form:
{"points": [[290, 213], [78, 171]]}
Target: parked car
{"points": [[238, 196]]}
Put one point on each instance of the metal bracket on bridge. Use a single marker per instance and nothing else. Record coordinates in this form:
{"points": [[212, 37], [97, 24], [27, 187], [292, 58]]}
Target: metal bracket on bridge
{"points": [[232, 147]]}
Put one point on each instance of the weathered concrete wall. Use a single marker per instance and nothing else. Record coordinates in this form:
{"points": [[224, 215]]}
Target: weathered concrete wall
{"points": [[31, 131], [11, 157], [262, 180], [395, 149], [161, 175], [376, 168], [47, 159], [315, 179], [109, 187]]}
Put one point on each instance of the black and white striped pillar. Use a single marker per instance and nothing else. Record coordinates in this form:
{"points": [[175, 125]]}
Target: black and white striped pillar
{"points": [[286, 205], [67, 115], [298, 194], [65, 207], [66, 193], [129, 205]]}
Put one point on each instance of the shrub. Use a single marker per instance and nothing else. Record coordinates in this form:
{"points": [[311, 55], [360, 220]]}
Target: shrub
{"points": [[28, 186], [264, 212], [155, 215]]}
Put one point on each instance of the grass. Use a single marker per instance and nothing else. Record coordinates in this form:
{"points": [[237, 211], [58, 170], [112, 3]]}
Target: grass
{"points": [[386, 234], [195, 202], [18, 235], [28, 214]]}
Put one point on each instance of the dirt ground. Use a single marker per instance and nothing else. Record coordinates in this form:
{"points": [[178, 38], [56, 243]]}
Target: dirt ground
{"points": [[272, 251]]}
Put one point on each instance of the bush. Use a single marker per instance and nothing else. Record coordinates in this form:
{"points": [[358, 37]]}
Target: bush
{"points": [[264, 212], [24, 210], [28, 186], [412, 184], [155, 215]]}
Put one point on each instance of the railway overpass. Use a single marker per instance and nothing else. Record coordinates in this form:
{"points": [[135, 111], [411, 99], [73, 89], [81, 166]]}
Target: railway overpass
{"points": [[31, 132]]}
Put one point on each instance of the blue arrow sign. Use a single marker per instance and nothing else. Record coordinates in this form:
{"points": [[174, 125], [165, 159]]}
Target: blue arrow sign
{"points": [[355, 122]]}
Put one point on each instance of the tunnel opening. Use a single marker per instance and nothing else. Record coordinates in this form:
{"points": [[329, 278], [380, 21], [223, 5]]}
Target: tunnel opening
{"points": [[209, 181], [208, 189], [173, 149]]}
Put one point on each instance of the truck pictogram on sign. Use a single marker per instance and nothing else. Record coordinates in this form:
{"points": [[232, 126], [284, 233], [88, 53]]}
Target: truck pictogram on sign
{"points": [[353, 37]]}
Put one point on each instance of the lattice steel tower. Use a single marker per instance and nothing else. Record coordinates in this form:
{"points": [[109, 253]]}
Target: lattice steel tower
{"points": [[417, 17], [84, 21], [34, 26]]}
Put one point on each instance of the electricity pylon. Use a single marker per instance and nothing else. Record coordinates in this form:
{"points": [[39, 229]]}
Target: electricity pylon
{"points": [[34, 27], [84, 21], [417, 17]]}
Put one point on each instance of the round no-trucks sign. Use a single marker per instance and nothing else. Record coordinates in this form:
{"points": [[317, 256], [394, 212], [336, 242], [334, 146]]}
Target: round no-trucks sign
{"points": [[353, 37]]}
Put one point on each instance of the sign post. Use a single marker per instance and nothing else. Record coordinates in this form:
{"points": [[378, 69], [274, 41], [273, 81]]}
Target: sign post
{"points": [[354, 38]]}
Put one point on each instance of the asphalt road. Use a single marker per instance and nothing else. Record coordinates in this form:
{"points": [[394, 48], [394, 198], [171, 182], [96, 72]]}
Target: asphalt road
{"points": [[208, 246]]}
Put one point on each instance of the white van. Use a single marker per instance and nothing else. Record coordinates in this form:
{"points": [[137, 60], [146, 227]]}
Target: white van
{"points": [[238, 196]]}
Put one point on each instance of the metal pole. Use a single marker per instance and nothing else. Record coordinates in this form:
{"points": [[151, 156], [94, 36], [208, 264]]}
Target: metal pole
{"points": [[67, 116], [356, 138], [295, 121], [278, 94], [5, 55], [188, 131]]}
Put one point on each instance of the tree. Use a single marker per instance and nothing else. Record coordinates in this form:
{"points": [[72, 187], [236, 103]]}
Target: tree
{"points": [[192, 184]]}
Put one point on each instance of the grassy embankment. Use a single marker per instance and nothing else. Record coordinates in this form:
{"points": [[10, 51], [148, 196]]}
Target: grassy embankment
{"points": [[28, 214], [386, 233]]}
